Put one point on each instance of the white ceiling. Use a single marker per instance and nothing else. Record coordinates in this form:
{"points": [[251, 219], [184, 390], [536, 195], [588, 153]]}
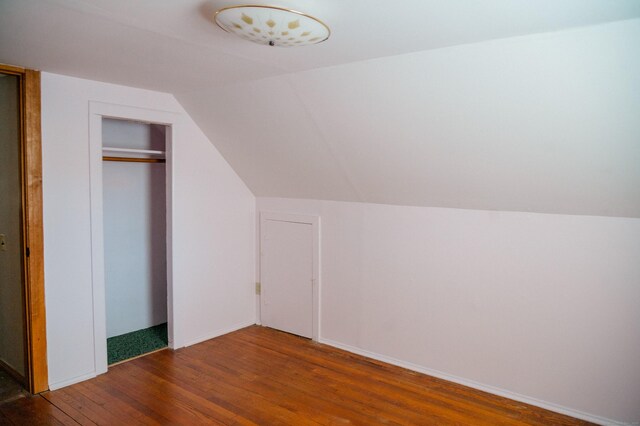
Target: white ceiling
{"points": [[500, 119]]}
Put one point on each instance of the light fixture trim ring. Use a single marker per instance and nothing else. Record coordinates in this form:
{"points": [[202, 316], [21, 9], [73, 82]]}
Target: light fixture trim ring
{"points": [[262, 6]]}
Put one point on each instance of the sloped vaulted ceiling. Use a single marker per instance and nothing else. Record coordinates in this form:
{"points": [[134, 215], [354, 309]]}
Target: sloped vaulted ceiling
{"points": [[502, 105]]}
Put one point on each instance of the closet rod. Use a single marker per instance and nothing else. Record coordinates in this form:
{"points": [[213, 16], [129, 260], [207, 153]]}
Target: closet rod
{"points": [[134, 160]]}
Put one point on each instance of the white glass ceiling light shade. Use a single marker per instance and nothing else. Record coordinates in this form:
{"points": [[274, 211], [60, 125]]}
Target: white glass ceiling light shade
{"points": [[272, 26]]}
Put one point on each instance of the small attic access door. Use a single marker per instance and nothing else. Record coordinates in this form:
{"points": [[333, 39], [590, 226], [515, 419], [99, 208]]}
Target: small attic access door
{"points": [[289, 268], [126, 248]]}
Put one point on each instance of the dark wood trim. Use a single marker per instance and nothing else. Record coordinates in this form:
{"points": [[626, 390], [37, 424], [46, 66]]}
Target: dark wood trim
{"points": [[11, 69], [134, 160], [36, 370], [36, 318]]}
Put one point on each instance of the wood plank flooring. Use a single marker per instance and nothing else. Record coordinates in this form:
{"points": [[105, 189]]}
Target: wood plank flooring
{"points": [[259, 376]]}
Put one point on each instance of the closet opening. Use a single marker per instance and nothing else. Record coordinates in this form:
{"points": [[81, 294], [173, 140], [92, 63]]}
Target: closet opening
{"points": [[134, 204]]}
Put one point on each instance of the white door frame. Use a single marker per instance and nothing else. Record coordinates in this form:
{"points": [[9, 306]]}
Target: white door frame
{"points": [[314, 221], [98, 111]]}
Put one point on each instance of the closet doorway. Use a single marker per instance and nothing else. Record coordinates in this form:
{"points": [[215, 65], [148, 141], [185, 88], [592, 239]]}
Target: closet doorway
{"points": [[113, 130], [135, 238]]}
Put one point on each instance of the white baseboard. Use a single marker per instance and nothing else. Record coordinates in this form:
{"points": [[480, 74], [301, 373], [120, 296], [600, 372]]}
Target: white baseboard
{"points": [[220, 332], [472, 384], [73, 381]]}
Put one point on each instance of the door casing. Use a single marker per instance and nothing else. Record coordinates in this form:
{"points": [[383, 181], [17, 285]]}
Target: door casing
{"points": [[98, 111], [36, 370]]}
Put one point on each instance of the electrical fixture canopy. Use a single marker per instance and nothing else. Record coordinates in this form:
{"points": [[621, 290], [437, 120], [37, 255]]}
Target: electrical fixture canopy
{"points": [[272, 25]]}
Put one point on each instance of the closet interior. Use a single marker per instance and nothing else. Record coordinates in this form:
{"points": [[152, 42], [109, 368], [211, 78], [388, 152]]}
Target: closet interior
{"points": [[135, 237]]}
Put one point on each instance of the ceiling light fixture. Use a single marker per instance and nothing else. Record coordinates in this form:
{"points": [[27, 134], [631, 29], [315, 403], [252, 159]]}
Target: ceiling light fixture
{"points": [[271, 25]]}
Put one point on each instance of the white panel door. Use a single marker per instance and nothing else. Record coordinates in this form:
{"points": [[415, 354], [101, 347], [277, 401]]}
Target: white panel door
{"points": [[286, 272]]}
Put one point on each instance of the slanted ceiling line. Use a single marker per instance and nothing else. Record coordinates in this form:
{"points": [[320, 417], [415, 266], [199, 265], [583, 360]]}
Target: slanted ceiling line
{"points": [[341, 164]]}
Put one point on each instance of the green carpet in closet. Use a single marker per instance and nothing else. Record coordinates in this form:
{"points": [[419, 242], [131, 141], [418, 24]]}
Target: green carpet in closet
{"points": [[136, 343]]}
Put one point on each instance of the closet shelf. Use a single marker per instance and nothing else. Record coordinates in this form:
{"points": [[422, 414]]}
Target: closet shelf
{"points": [[133, 151]]}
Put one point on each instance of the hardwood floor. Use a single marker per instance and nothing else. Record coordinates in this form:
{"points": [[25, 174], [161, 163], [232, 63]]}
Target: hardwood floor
{"points": [[265, 377]]}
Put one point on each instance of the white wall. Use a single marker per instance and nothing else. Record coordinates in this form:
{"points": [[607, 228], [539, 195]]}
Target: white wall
{"points": [[135, 224], [11, 301], [213, 227], [542, 306]]}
